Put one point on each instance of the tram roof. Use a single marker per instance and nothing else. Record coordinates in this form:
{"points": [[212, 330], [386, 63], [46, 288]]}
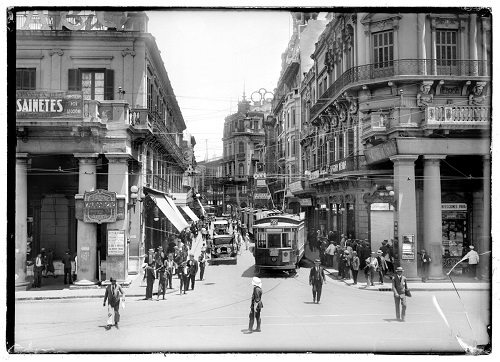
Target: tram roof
{"points": [[283, 220]]}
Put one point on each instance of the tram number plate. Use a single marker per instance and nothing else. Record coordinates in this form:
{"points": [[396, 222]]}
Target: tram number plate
{"points": [[273, 252]]}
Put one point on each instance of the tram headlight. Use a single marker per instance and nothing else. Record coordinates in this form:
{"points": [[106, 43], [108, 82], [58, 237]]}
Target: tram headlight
{"points": [[218, 250]]}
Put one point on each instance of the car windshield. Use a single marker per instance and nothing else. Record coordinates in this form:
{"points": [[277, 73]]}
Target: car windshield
{"points": [[219, 241]]}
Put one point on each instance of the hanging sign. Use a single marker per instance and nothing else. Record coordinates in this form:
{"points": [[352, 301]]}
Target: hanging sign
{"points": [[49, 104], [99, 206]]}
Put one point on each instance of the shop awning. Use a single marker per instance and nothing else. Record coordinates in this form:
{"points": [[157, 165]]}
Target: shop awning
{"points": [[171, 213], [189, 213], [202, 208]]}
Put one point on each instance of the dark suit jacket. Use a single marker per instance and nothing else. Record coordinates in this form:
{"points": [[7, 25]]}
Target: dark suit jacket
{"points": [[113, 296], [398, 287], [317, 276], [192, 266]]}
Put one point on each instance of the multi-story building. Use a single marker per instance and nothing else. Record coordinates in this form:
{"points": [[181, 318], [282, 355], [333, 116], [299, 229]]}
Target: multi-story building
{"points": [[285, 126], [396, 132], [209, 174], [243, 133], [99, 141]]}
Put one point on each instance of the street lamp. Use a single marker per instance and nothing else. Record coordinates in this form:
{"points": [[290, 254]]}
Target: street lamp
{"points": [[134, 197]]}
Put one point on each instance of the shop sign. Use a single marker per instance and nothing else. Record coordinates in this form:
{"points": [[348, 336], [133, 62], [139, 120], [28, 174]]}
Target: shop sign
{"points": [[454, 207], [49, 104], [408, 247], [340, 166], [305, 202], [381, 152], [314, 175], [262, 196], [295, 186], [116, 242], [99, 206]]}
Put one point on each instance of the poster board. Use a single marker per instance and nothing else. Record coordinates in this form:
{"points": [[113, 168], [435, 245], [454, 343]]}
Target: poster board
{"points": [[116, 242], [408, 247]]}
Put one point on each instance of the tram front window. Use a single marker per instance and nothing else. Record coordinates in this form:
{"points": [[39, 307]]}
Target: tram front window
{"points": [[274, 240]]}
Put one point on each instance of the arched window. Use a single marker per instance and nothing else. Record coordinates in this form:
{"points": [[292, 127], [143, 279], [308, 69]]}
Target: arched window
{"points": [[241, 147]]}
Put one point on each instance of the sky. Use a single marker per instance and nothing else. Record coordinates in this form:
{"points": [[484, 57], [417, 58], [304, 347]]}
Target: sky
{"points": [[212, 57]]}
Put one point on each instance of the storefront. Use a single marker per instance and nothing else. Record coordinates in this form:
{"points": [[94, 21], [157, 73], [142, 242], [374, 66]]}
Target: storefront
{"points": [[454, 232]]}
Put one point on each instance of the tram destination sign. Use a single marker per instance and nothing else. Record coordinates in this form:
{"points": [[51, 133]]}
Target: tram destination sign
{"points": [[99, 206], [49, 104]]}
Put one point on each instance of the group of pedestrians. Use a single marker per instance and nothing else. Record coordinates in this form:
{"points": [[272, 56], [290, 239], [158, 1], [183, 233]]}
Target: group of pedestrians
{"points": [[164, 267], [43, 264]]}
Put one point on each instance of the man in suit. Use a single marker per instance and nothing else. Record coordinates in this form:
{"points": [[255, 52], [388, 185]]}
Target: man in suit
{"points": [[316, 279], [426, 260], [398, 289], [149, 272], [66, 260], [38, 270], [192, 264], [170, 269], [255, 305], [112, 295]]}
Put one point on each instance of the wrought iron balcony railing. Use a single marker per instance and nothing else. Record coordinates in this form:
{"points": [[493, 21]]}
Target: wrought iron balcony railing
{"points": [[402, 67]]}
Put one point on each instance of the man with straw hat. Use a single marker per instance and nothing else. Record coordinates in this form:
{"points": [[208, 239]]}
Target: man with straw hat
{"points": [[256, 305], [316, 279]]}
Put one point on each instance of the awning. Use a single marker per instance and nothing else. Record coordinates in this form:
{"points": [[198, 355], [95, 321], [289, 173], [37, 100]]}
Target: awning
{"points": [[176, 210], [172, 214], [189, 213], [202, 208]]}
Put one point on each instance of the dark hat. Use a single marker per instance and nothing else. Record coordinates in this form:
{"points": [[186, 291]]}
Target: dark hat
{"points": [[423, 251], [112, 279], [379, 252]]}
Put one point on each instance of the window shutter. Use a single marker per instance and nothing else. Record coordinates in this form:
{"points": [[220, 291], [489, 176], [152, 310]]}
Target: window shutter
{"points": [[74, 80], [19, 79], [109, 84]]}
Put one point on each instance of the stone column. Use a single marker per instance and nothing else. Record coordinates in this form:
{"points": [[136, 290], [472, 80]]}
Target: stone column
{"points": [[484, 243], [433, 47], [117, 265], [422, 55], [86, 237], [55, 71], [404, 189], [473, 42], [128, 80], [21, 221], [432, 214]]}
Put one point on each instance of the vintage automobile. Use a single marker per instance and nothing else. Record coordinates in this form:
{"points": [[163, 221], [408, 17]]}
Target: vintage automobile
{"points": [[223, 248], [221, 226]]}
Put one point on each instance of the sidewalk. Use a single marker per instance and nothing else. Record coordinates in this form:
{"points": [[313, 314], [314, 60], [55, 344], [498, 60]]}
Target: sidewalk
{"points": [[53, 288], [461, 282]]}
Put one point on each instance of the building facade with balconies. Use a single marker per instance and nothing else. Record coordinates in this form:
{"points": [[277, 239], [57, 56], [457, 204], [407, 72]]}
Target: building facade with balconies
{"points": [[95, 115], [287, 108], [397, 134], [243, 135]]}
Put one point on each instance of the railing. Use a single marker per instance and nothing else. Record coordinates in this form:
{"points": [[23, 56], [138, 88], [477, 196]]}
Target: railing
{"points": [[139, 118], [406, 67], [240, 156], [161, 132], [450, 114], [347, 164]]}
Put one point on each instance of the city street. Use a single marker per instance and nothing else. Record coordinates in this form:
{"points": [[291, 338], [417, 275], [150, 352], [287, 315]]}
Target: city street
{"points": [[214, 318]]}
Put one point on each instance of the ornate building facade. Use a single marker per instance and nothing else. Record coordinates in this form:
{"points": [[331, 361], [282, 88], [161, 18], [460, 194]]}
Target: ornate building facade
{"points": [[396, 133], [99, 141]]}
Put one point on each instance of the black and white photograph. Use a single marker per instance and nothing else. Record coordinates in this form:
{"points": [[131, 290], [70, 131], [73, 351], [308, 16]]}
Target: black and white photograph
{"points": [[250, 179]]}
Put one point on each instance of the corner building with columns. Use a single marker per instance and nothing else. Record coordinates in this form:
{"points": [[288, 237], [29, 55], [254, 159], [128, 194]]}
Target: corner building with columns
{"points": [[99, 142], [396, 134]]}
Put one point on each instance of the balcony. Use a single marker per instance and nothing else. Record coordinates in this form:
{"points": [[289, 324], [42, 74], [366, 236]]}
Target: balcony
{"points": [[138, 118], [351, 164], [165, 137], [374, 125], [419, 68], [241, 156], [449, 117]]}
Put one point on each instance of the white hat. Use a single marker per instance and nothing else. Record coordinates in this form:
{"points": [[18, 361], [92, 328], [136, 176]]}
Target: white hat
{"points": [[471, 247], [256, 281]]}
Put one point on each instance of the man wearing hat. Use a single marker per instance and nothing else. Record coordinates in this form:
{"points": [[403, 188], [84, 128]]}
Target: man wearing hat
{"points": [[112, 295], [192, 265], [149, 274], [66, 260], [255, 305], [372, 264], [316, 279], [398, 289], [382, 266], [473, 257], [425, 260]]}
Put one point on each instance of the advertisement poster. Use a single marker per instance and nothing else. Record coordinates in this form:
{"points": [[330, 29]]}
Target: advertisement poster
{"points": [[116, 242]]}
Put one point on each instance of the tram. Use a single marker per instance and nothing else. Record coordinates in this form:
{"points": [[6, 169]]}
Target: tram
{"points": [[279, 241]]}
